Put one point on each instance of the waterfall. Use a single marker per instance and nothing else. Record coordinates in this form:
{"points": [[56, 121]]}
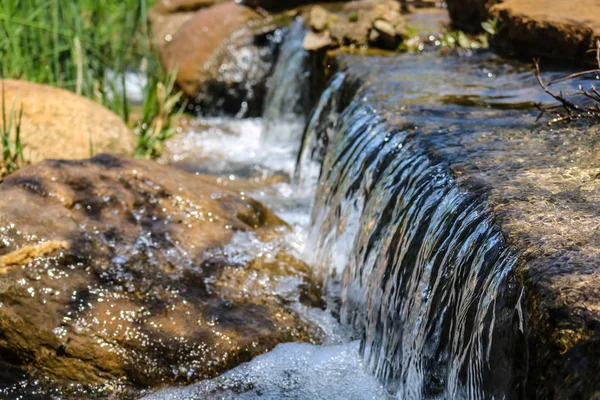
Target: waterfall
{"points": [[287, 99], [318, 134], [412, 261]]}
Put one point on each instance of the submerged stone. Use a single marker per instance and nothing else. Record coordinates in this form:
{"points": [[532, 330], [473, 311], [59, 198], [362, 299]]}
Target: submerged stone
{"points": [[118, 275]]}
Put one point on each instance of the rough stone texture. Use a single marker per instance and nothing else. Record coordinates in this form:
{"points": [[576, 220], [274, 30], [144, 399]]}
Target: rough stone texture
{"points": [[116, 272], [59, 124], [377, 23], [563, 30], [222, 56], [475, 116]]}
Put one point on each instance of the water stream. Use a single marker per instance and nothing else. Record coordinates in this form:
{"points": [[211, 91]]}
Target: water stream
{"points": [[421, 303]]}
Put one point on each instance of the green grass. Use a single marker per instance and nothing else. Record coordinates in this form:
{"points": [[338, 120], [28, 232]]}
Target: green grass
{"points": [[154, 127], [72, 44], [12, 149]]}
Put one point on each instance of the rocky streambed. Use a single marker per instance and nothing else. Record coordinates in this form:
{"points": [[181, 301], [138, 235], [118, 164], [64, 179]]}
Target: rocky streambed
{"points": [[407, 230]]}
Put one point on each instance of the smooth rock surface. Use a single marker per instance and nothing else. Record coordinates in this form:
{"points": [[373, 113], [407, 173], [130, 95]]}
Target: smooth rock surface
{"points": [[59, 124], [165, 26], [118, 274], [222, 57]]}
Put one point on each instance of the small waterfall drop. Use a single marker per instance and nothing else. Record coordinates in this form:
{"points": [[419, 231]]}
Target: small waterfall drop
{"points": [[411, 261], [287, 100]]}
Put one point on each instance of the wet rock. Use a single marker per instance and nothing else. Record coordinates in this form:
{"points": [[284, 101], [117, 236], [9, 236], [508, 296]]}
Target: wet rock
{"points": [[117, 274], [386, 34], [223, 57], [58, 123]]}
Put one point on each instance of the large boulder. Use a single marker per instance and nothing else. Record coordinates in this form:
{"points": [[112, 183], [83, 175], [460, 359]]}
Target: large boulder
{"points": [[562, 30], [59, 124], [117, 273], [167, 16], [222, 57], [165, 25], [549, 28]]}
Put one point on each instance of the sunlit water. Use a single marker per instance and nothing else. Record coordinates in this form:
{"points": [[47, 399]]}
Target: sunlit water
{"points": [[420, 300], [263, 154], [413, 263]]}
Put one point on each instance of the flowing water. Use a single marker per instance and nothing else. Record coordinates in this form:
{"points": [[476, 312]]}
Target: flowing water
{"points": [[383, 184], [414, 266]]}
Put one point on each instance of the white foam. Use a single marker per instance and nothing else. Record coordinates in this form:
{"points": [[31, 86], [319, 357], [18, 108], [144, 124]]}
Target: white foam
{"points": [[291, 371], [223, 145]]}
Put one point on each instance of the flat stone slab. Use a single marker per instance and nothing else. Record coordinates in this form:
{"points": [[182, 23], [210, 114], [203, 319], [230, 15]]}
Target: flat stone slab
{"points": [[475, 116], [562, 30]]}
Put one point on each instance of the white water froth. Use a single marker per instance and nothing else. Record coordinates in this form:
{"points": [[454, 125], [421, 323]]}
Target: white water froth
{"points": [[291, 371], [235, 148]]}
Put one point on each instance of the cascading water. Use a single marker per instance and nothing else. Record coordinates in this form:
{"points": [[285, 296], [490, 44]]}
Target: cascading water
{"points": [[412, 261], [287, 100], [411, 258]]}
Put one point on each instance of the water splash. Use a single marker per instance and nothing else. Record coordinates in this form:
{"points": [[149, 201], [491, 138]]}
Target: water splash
{"points": [[291, 371]]}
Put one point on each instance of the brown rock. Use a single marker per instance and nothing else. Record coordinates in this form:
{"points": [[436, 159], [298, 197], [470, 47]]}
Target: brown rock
{"points": [[278, 5], [552, 28], [387, 33], [377, 24], [317, 41], [121, 270], [563, 30], [319, 18], [165, 26], [220, 63], [59, 124], [171, 6]]}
